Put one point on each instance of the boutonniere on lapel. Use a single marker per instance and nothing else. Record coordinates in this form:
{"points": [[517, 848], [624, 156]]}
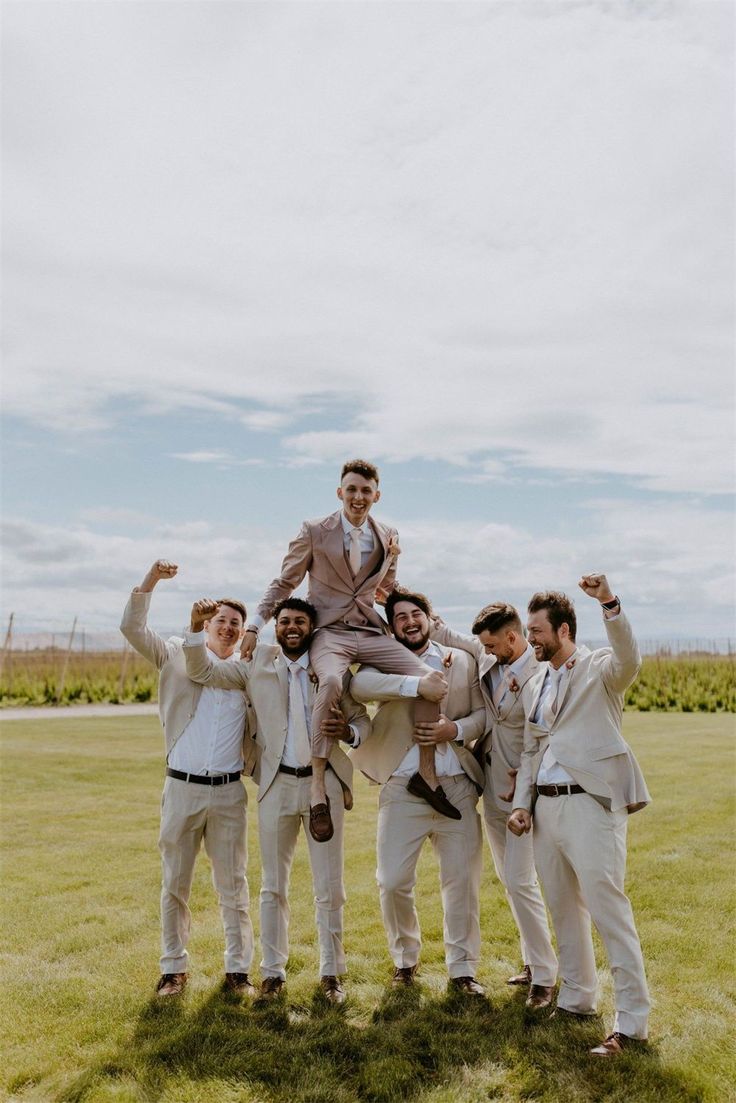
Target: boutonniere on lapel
{"points": [[570, 663], [513, 684], [447, 660], [394, 551], [313, 679]]}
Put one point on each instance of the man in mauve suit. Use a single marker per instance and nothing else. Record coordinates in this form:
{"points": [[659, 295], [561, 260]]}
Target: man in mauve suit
{"points": [[506, 666], [347, 556], [389, 756], [208, 746], [580, 780], [280, 684]]}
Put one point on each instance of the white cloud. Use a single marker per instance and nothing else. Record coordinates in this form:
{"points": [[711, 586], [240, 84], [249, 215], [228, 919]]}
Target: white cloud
{"points": [[223, 459], [500, 232]]}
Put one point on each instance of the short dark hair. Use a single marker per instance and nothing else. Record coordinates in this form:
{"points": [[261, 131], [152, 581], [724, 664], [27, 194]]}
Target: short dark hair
{"points": [[236, 605], [297, 604], [492, 618], [360, 467], [399, 593], [559, 608]]}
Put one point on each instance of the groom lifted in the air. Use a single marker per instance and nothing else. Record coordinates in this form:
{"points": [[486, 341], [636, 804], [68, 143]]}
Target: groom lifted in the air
{"points": [[347, 557]]}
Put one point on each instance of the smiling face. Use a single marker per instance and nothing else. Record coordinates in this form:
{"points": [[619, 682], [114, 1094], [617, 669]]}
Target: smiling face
{"points": [[410, 625], [293, 632], [224, 631], [357, 495], [544, 639]]}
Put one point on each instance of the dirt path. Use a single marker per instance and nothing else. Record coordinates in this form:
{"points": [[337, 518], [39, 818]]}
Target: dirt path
{"points": [[75, 711]]}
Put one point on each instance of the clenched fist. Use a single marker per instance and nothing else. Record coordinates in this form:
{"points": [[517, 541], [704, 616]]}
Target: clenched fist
{"points": [[433, 686], [202, 610], [159, 570], [596, 585]]}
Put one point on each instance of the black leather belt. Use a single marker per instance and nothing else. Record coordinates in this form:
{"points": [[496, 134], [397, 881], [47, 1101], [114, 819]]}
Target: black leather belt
{"points": [[558, 790], [200, 779], [296, 771]]}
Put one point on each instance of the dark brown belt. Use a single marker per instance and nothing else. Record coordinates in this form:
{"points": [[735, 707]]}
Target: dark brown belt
{"points": [[296, 771], [558, 790], [200, 779]]}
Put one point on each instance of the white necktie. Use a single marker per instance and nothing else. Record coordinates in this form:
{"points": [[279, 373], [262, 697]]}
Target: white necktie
{"points": [[354, 554], [298, 720]]}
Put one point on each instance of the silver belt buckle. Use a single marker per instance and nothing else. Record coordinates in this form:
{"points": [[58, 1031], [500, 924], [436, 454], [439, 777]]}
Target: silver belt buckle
{"points": [[556, 788]]}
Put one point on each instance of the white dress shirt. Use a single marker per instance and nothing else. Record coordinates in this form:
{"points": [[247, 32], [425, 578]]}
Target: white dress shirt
{"points": [[550, 771], [212, 742], [446, 763]]}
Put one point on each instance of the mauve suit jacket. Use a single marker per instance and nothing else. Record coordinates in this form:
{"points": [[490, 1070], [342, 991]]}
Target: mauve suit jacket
{"points": [[178, 696], [586, 732], [265, 678], [500, 749], [393, 725], [339, 599]]}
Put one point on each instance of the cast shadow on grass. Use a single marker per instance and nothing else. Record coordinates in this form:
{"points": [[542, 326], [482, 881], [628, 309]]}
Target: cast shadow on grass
{"points": [[315, 1054]]}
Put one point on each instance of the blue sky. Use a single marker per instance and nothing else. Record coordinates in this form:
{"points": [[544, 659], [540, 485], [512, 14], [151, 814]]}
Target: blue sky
{"points": [[488, 246]]}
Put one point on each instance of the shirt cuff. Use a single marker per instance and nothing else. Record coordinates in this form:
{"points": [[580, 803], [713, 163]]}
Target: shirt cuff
{"points": [[459, 725], [410, 686], [612, 614], [257, 621], [193, 639], [354, 740]]}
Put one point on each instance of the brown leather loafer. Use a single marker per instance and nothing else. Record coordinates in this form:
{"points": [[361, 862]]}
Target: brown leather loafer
{"points": [[522, 978], [467, 985], [320, 822], [171, 984], [333, 990], [616, 1043], [539, 998], [404, 977], [240, 984], [418, 787], [271, 988]]}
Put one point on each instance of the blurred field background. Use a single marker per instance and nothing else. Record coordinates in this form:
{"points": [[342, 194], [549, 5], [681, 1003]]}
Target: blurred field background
{"points": [[79, 950], [679, 682]]}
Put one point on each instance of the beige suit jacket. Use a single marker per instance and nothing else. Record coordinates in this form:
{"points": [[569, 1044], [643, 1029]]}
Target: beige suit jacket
{"points": [[500, 749], [338, 597], [265, 678], [393, 725], [586, 733], [178, 696]]}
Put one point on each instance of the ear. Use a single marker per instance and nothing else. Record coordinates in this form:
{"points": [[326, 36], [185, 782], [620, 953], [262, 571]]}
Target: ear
{"points": [[339, 492], [564, 631], [377, 496], [241, 633]]}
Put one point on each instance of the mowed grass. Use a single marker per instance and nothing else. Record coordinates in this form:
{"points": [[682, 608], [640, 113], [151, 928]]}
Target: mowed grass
{"points": [[80, 949]]}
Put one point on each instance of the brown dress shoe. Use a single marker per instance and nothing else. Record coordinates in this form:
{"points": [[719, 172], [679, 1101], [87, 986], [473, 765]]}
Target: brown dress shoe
{"points": [[320, 822], [522, 978], [616, 1043], [404, 977], [271, 988], [333, 990], [239, 983], [171, 984], [539, 998], [467, 985], [418, 787]]}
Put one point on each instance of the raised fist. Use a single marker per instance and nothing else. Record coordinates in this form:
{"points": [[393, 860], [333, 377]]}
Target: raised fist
{"points": [[596, 585], [202, 610]]}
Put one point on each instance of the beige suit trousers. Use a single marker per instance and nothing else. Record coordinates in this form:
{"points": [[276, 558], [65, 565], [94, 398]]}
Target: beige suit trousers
{"points": [[513, 857], [215, 814], [580, 850], [333, 651], [404, 822], [283, 809]]}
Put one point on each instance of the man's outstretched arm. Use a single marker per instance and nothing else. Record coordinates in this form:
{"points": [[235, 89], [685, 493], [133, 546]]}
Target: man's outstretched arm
{"points": [[134, 624], [293, 569], [202, 667]]}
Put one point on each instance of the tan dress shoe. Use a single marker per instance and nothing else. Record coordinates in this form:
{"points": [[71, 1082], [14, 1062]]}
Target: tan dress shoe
{"points": [[240, 984], [171, 984], [467, 985], [522, 978], [539, 998], [333, 990], [616, 1043], [404, 977]]}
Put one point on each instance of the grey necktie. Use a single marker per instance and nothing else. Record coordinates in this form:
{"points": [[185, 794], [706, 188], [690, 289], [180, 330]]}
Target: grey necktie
{"points": [[297, 718]]}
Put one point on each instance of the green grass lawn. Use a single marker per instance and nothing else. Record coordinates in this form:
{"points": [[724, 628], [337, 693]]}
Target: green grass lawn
{"points": [[80, 950]]}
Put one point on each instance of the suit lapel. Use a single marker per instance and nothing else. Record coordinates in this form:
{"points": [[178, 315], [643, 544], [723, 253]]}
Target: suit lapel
{"points": [[568, 677]]}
